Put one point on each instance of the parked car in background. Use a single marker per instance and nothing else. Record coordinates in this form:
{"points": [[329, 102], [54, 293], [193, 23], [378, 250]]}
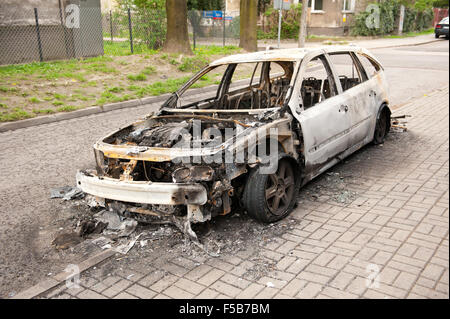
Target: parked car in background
{"points": [[325, 103], [442, 28]]}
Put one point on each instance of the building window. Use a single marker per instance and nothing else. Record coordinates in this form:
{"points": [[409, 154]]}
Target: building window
{"points": [[349, 6], [316, 5]]}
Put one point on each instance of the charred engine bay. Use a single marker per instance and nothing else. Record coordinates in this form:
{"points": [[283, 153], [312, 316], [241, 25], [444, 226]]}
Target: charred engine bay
{"points": [[176, 131], [172, 130]]}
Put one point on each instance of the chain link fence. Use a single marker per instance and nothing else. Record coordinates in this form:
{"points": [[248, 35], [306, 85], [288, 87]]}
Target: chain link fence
{"points": [[45, 34], [214, 27]]}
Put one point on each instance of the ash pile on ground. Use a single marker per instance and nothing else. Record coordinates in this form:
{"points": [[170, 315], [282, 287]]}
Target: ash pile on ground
{"points": [[225, 235], [331, 186]]}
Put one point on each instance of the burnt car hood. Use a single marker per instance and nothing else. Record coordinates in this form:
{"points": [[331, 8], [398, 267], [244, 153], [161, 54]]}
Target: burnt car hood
{"points": [[160, 137]]}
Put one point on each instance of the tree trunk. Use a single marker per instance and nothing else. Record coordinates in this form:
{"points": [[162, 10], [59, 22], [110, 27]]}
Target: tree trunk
{"points": [[177, 38], [303, 31], [248, 34]]}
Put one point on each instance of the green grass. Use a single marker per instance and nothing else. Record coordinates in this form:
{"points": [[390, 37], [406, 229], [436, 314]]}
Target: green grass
{"points": [[115, 89], [137, 77], [60, 97], [34, 100], [67, 108], [193, 64], [43, 111], [15, 114], [123, 48], [211, 50], [37, 88], [73, 69]]}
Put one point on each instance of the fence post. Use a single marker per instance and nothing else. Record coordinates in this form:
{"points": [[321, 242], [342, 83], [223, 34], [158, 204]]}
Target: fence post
{"points": [[223, 20], [111, 26], [131, 30], [193, 34], [63, 28], [38, 34]]}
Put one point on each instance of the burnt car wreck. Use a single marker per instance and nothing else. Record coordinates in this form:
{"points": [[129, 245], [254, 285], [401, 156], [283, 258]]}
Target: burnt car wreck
{"points": [[277, 119]]}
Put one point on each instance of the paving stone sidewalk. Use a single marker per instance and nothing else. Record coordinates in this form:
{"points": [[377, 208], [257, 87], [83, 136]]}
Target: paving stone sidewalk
{"points": [[391, 241]]}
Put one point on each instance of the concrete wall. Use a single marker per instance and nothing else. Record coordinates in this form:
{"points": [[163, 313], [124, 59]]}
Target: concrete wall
{"points": [[13, 12], [18, 32], [232, 5]]}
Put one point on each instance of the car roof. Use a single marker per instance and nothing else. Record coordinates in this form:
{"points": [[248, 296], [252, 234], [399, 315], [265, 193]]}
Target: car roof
{"points": [[294, 54]]}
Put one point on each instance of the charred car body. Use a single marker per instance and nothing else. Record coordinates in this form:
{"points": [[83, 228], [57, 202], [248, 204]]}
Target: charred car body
{"points": [[199, 155]]}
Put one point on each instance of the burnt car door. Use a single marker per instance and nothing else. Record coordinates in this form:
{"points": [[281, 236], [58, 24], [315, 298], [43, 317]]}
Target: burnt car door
{"points": [[357, 92], [375, 88], [323, 117]]}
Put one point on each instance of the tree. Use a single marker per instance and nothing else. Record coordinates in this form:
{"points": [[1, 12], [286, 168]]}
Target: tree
{"points": [[262, 5], [440, 3], [177, 38], [248, 34], [205, 5], [303, 30]]}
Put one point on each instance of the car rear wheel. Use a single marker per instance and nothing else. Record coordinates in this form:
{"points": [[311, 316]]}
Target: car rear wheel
{"points": [[436, 35], [271, 197], [382, 127]]}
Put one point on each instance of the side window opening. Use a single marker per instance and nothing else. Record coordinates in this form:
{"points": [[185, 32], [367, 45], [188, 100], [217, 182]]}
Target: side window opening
{"points": [[347, 70], [317, 83], [371, 67]]}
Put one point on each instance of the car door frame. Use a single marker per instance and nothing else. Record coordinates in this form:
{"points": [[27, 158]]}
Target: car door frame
{"points": [[378, 91], [360, 105], [323, 147]]}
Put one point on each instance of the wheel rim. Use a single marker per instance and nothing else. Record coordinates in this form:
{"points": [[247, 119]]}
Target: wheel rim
{"points": [[280, 189]]}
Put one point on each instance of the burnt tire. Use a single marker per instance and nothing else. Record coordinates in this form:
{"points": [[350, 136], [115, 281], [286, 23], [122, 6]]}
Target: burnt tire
{"points": [[271, 197], [382, 127]]}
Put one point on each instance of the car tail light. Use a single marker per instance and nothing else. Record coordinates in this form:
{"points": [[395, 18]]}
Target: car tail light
{"points": [[438, 26]]}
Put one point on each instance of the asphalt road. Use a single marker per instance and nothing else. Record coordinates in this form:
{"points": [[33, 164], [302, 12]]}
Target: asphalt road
{"points": [[36, 159], [415, 70]]}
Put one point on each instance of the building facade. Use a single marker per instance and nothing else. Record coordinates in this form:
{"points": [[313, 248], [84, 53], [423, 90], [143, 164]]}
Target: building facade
{"points": [[333, 17]]}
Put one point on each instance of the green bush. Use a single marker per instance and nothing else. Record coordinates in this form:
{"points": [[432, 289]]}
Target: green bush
{"points": [[415, 19], [148, 20], [424, 20], [289, 24], [409, 22], [389, 11]]}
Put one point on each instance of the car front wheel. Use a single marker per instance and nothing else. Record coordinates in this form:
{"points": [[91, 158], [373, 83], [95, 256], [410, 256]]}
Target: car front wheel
{"points": [[382, 127], [271, 197]]}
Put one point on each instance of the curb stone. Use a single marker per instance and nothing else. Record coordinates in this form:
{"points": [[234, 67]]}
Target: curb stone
{"points": [[405, 45], [58, 279], [46, 119]]}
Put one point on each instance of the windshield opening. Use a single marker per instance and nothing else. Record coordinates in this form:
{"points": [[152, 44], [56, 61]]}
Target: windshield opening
{"points": [[239, 86]]}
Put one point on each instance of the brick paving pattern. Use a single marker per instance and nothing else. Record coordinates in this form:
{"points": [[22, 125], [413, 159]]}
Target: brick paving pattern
{"points": [[390, 242]]}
